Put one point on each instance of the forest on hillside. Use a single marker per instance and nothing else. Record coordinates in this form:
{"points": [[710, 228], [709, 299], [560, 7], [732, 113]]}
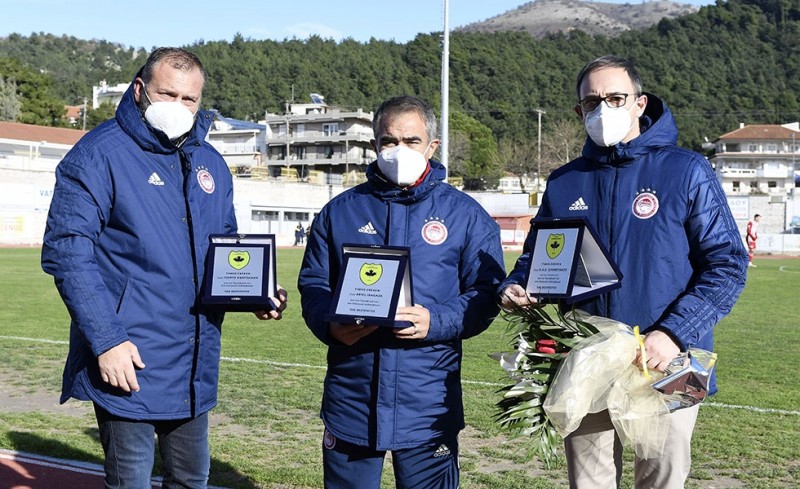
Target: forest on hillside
{"points": [[729, 63]]}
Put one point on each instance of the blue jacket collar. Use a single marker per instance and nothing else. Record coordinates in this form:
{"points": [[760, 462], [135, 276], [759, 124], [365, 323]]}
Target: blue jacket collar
{"points": [[130, 119], [658, 129]]}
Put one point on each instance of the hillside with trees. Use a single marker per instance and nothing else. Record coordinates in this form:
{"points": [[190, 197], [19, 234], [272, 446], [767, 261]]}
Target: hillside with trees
{"points": [[734, 62]]}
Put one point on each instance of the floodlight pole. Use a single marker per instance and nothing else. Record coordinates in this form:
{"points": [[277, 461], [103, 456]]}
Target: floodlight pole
{"points": [[539, 153], [446, 88]]}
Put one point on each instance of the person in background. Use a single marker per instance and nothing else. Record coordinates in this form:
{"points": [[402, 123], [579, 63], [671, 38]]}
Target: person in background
{"points": [[299, 234], [399, 389], [127, 233], [664, 218], [752, 236]]}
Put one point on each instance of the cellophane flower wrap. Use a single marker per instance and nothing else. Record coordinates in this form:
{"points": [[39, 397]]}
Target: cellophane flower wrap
{"points": [[569, 365]]}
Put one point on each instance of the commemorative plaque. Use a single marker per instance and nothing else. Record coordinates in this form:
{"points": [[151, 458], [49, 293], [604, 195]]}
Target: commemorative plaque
{"points": [[240, 272], [568, 262], [374, 281]]}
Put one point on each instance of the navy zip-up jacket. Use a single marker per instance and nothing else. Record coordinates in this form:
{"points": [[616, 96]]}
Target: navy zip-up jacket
{"points": [[126, 238], [662, 214], [383, 392]]}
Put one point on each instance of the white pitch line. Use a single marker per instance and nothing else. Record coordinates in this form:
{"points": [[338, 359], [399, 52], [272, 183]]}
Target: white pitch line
{"points": [[785, 269], [35, 340], [750, 408], [463, 381], [270, 362]]}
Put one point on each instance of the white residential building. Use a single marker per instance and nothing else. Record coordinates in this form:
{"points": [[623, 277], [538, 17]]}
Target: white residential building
{"points": [[320, 144], [106, 93], [241, 143], [759, 160]]}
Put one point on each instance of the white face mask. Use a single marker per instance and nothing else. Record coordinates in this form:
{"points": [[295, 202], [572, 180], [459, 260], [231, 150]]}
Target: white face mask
{"points": [[402, 165], [172, 118], [608, 126]]}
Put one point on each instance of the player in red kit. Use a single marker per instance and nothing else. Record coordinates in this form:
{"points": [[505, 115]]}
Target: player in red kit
{"points": [[752, 236]]}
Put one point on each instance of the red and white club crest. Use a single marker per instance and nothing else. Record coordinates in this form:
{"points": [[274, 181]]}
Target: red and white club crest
{"points": [[206, 181], [645, 205], [434, 232]]}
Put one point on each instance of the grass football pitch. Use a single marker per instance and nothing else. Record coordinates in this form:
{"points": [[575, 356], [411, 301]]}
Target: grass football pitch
{"points": [[266, 432]]}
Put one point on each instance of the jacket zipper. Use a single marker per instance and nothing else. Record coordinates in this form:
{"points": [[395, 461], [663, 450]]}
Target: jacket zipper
{"points": [[186, 170]]}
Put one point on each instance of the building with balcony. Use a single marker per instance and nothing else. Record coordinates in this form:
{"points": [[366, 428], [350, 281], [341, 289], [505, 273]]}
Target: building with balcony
{"points": [[106, 93], [759, 160], [319, 144], [241, 143]]}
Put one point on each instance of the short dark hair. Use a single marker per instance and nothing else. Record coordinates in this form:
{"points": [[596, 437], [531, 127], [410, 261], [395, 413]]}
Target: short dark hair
{"points": [[610, 61], [401, 105], [178, 58], [757, 215]]}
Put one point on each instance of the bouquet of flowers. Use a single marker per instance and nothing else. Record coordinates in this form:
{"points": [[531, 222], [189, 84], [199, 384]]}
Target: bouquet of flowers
{"points": [[554, 389]]}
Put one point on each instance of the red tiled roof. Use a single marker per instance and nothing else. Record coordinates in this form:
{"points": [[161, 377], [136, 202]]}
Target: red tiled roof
{"points": [[73, 111], [30, 132], [763, 131]]}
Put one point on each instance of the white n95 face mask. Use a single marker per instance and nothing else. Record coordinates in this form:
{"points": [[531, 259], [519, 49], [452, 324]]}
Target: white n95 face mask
{"points": [[402, 165], [172, 118], [608, 126]]}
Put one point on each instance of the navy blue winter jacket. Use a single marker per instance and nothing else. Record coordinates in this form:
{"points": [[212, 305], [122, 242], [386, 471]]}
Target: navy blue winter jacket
{"points": [[126, 238], [384, 392], [662, 214]]}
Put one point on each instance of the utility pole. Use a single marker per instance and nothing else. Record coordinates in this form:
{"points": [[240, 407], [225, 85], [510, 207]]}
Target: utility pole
{"points": [[446, 89], [539, 112], [84, 113], [288, 148]]}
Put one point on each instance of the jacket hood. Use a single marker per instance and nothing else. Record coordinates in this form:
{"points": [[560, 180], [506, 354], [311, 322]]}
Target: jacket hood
{"points": [[658, 129], [388, 191], [132, 122]]}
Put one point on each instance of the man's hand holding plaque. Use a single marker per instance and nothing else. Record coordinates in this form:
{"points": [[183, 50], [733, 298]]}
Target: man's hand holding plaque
{"points": [[374, 284], [278, 306], [240, 275]]}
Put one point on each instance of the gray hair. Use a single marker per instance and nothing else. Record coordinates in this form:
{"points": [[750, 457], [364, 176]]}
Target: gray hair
{"points": [[403, 104], [611, 61]]}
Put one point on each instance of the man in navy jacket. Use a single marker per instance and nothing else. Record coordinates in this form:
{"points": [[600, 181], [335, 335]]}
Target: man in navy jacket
{"points": [[662, 214], [399, 389], [127, 234]]}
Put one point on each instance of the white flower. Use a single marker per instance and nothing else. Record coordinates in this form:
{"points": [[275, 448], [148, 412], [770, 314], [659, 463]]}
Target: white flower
{"points": [[510, 361]]}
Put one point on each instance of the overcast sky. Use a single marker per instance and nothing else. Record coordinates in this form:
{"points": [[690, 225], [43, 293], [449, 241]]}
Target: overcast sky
{"points": [[149, 23]]}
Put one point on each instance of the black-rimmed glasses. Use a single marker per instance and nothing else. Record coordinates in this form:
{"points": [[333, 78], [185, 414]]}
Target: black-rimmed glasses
{"points": [[612, 100]]}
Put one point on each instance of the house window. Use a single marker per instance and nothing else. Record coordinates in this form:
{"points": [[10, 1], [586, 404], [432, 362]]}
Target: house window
{"points": [[264, 215], [752, 148], [736, 186], [754, 185], [772, 184], [327, 151], [299, 152], [330, 129], [295, 216], [772, 148], [277, 153]]}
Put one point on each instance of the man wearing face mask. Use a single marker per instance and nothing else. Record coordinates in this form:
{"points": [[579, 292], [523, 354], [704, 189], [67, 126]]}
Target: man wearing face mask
{"points": [[664, 218], [399, 390], [133, 207]]}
